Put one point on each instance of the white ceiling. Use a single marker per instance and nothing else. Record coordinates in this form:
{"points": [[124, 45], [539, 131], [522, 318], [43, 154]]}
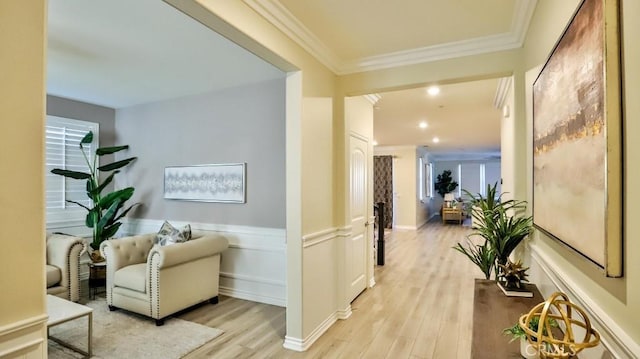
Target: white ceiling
{"points": [[351, 36], [120, 53], [461, 116]]}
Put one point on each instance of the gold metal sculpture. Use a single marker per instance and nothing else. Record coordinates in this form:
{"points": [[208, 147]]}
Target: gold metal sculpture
{"points": [[555, 343]]}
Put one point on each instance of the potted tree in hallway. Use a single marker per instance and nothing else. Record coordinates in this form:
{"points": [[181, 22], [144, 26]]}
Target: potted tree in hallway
{"points": [[444, 184]]}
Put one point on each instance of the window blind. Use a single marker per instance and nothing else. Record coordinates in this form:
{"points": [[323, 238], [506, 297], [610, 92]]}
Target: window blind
{"points": [[62, 141]]}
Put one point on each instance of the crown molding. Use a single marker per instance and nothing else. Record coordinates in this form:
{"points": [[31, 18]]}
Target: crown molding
{"points": [[286, 22], [450, 50], [501, 92], [373, 98], [522, 14]]}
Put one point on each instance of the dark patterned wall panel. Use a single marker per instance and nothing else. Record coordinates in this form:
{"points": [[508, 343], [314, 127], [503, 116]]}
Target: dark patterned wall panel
{"points": [[383, 185]]}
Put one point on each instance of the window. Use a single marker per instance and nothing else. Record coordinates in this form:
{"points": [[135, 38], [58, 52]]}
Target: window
{"points": [[62, 150], [429, 179], [421, 178]]}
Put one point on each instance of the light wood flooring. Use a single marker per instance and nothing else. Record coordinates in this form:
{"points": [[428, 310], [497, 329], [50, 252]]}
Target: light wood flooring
{"points": [[420, 307]]}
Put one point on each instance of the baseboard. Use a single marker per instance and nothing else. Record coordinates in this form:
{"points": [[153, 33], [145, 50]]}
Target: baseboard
{"points": [[301, 345], [24, 339], [252, 268], [408, 228], [344, 313], [613, 338], [253, 288]]}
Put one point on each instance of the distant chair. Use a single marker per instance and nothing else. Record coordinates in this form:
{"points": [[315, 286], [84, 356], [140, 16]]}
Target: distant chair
{"points": [[63, 265]]}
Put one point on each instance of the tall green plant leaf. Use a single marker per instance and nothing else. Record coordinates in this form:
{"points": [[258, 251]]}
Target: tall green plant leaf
{"points": [[87, 139], [71, 174], [104, 184], [124, 213], [120, 195], [79, 204], [480, 254], [116, 165], [109, 150]]}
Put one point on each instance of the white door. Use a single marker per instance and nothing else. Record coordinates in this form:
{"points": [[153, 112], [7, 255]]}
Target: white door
{"points": [[356, 251]]}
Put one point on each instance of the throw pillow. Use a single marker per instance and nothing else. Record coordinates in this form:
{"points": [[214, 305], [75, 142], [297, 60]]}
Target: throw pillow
{"points": [[168, 234]]}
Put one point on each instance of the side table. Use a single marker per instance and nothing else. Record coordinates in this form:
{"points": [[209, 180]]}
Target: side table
{"points": [[97, 277]]}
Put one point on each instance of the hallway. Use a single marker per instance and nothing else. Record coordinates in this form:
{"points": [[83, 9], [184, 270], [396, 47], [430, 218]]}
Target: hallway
{"points": [[420, 307]]}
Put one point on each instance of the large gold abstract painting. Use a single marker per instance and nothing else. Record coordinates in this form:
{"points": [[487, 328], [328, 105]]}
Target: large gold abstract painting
{"points": [[577, 139]]}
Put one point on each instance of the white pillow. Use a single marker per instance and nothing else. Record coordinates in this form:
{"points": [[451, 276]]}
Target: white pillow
{"points": [[168, 234]]}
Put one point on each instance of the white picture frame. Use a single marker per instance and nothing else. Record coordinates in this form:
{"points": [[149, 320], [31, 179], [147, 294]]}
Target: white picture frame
{"points": [[223, 183]]}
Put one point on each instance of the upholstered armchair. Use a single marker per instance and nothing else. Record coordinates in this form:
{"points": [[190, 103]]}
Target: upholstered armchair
{"points": [[63, 265], [158, 281]]}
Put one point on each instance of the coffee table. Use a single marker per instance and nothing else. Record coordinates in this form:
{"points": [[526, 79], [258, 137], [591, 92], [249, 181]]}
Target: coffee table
{"points": [[61, 311]]}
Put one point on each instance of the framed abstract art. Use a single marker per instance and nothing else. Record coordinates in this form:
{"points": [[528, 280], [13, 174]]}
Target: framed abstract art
{"points": [[577, 148], [206, 183]]}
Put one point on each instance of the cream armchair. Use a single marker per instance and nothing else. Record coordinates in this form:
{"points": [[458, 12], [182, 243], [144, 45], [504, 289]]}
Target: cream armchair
{"points": [[63, 265], [158, 281]]}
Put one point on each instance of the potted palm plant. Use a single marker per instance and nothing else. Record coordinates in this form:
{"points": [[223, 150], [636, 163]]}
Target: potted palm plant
{"points": [[107, 208], [500, 230]]}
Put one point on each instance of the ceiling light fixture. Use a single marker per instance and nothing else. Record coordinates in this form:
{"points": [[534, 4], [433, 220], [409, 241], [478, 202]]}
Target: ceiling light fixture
{"points": [[436, 140], [423, 125], [433, 90]]}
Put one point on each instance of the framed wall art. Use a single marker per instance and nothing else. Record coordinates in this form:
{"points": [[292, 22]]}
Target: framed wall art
{"points": [[206, 183], [577, 157]]}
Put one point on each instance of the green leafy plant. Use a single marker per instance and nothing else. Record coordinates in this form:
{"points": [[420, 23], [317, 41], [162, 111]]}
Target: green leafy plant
{"points": [[445, 183], [480, 254], [516, 331], [108, 209], [500, 230]]}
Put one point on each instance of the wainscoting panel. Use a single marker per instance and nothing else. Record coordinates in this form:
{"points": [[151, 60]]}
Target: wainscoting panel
{"points": [[254, 266], [549, 277], [26, 339]]}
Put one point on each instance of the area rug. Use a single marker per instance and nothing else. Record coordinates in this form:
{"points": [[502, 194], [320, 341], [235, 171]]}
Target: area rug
{"points": [[122, 334]]}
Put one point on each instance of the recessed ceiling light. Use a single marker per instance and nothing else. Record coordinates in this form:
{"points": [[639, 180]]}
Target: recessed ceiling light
{"points": [[375, 143], [433, 90], [423, 125], [436, 140]]}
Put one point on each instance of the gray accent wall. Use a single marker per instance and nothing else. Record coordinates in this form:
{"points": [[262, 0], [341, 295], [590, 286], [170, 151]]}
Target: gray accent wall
{"points": [[241, 124], [76, 110]]}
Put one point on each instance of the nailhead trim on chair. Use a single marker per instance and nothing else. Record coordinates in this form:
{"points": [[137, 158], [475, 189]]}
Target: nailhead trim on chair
{"points": [[69, 269], [154, 258]]}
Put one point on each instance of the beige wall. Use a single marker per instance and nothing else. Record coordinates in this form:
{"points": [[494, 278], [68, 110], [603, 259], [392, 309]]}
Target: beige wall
{"points": [[422, 204], [311, 161], [22, 99], [508, 143], [617, 300]]}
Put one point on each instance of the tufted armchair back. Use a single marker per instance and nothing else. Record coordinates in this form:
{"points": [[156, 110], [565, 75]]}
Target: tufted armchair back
{"points": [[129, 250]]}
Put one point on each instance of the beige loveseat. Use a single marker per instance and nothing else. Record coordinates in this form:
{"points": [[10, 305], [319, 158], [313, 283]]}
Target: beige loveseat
{"points": [[63, 265], [158, 281]]}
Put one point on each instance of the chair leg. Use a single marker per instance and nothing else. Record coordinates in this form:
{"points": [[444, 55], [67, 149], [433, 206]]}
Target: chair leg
{"points": [[214, 300], [159, 322]]}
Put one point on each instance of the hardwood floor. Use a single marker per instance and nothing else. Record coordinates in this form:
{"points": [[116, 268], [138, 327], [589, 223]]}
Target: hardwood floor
{"points": [[420, 307]]}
